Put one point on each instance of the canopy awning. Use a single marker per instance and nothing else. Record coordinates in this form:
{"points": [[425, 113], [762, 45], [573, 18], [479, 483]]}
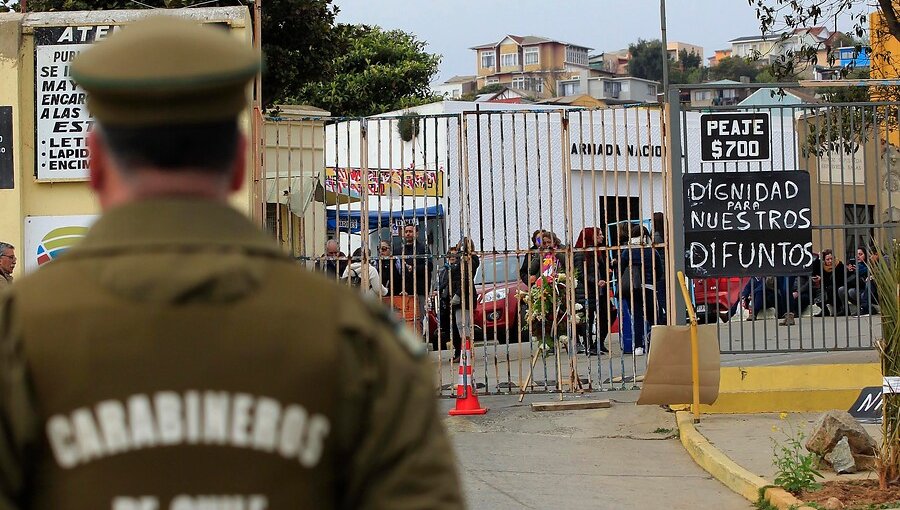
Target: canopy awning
{"points": [[351, 220]]}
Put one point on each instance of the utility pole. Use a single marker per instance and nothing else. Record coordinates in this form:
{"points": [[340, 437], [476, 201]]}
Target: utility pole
{"points": [[665, 50]]}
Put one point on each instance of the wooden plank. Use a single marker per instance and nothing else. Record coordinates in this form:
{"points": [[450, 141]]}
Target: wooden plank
{"points": [[570, 405]]}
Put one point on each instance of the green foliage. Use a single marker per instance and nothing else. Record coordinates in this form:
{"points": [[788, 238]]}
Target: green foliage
{"points": [[646, 59], [408, 126], [732, 68], [298, 36], [374, 71], [795, 470], [688, 60]]}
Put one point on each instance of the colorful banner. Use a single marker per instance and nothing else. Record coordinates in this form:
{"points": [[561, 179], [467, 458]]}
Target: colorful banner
{"points": [[402, 182]]}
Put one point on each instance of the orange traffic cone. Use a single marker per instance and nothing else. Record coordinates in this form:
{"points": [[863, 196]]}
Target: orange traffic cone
{"points": [[466, 399]]}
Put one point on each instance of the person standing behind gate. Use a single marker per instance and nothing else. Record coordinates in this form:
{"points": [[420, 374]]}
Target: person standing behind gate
{"points": [[638, 265], [592, 268], [333, 262], [389, 269], [353, 275], [416, 270], [177, 357], [7, 264]]}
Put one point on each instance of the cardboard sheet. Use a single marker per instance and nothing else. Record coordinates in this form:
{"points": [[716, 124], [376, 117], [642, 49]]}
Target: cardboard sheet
{"points": [[668, 378]]}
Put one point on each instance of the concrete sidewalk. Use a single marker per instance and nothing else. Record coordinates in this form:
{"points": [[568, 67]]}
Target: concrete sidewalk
{"points": [[622, 457], [749, 439]]}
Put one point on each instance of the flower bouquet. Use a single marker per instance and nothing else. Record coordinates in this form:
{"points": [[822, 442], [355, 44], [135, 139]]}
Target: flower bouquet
{"points": [[545, 308]]}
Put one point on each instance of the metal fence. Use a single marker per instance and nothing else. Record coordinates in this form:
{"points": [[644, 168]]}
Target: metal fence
{"points": [[473, 190], [465, 220], [849, 151]]}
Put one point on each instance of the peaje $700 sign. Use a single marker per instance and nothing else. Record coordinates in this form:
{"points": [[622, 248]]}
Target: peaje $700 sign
{"points": [[740, 136]]}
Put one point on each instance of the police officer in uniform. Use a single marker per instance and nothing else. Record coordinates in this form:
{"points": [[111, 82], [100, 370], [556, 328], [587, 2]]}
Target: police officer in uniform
{"points": [[176, 359]]}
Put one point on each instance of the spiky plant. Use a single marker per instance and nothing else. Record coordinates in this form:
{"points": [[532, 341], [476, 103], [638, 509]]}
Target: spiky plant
{"points": [[886, 272]]}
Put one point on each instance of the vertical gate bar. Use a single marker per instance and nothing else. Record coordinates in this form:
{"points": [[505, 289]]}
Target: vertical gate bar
{"points": [[529, 243], [676, 177], [565, 156], [510, 332], [610, 251]]}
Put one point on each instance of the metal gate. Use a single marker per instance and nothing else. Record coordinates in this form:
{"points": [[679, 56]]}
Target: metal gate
{"points": [[470, 218], [850, 153]]}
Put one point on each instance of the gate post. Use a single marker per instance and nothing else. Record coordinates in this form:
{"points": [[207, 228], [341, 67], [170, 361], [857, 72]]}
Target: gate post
{"points": [[675, 253]]}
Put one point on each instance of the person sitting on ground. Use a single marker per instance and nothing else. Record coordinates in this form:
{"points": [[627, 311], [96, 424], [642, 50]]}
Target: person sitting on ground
{"points": [[762, 293], [354, 274], [827, 276], [855, 290]]}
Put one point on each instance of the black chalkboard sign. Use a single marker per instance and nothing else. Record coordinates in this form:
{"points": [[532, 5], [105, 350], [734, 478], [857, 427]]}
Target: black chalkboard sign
{"points": [[867, 408], [7, 174], [740, 136], [747, 224]]}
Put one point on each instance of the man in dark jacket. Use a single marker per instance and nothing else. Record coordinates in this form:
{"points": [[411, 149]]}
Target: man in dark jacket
{"points": [[416, 268]]}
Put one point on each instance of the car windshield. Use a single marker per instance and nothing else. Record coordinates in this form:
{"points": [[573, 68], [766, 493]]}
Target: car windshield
{"points": [[498, 270]]}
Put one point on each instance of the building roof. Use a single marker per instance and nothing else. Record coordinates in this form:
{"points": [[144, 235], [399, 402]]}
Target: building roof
{"points": [[760, 37], [814, 31], [525, 41], [461, 79], [582, 100]]}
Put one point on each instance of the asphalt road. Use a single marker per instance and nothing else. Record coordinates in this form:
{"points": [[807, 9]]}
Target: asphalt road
{"points": [[622, 457]]}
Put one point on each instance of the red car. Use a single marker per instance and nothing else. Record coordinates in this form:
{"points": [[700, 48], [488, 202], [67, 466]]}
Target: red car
{"points": [[496, 311], [714, 297]]}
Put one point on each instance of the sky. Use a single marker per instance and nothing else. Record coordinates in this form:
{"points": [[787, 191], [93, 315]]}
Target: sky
{"points": [[452, 27]]}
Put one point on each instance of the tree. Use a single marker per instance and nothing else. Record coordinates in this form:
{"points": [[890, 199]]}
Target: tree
{"points": [[732, 68], [375, 71], [646, 59], [688, 60], [298, 36]]}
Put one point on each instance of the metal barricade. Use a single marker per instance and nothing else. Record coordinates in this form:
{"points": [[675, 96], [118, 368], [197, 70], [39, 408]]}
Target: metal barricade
{"points": [[443, 211], [848, 152]]}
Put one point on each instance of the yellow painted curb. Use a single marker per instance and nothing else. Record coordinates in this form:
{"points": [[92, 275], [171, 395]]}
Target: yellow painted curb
{"points": [[790, 388], [727, 471]]}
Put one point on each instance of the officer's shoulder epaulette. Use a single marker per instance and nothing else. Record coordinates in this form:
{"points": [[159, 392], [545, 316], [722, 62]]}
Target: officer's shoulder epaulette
{"points": [[404, 335]]}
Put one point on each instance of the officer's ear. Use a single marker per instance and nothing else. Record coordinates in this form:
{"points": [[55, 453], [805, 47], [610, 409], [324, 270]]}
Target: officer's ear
{"points": [[97, 161], [239, 168]]}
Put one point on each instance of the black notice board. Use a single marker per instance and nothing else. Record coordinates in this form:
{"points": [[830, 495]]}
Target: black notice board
{"points": [[7, 174], [867, 408], [747, 224], [735, 136]]}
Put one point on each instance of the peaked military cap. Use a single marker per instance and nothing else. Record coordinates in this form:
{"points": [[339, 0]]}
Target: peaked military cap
{"points": [[165, 70]]}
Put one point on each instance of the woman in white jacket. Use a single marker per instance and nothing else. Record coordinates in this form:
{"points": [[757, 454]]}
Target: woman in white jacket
{"points": [[354, 274]]}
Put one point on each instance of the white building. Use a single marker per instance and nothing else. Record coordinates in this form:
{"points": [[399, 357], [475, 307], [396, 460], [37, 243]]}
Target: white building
{"points": [[612, 90], [455, 87]]}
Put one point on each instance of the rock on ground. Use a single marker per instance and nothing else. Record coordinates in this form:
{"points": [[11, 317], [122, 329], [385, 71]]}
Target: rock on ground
{"points": [[834, 425], [841, 458]]}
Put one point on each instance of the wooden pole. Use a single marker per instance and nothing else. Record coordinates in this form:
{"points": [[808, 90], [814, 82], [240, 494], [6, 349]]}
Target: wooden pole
{"points": [[695, 349]]}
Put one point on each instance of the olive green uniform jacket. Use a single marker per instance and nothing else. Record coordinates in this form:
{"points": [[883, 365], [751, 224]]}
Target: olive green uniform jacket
{"points": [[177, 357]]}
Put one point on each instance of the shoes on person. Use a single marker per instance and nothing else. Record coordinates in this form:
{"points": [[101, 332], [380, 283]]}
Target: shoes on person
{"points": [[580, 349], [455, 359], [639, 351]]}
